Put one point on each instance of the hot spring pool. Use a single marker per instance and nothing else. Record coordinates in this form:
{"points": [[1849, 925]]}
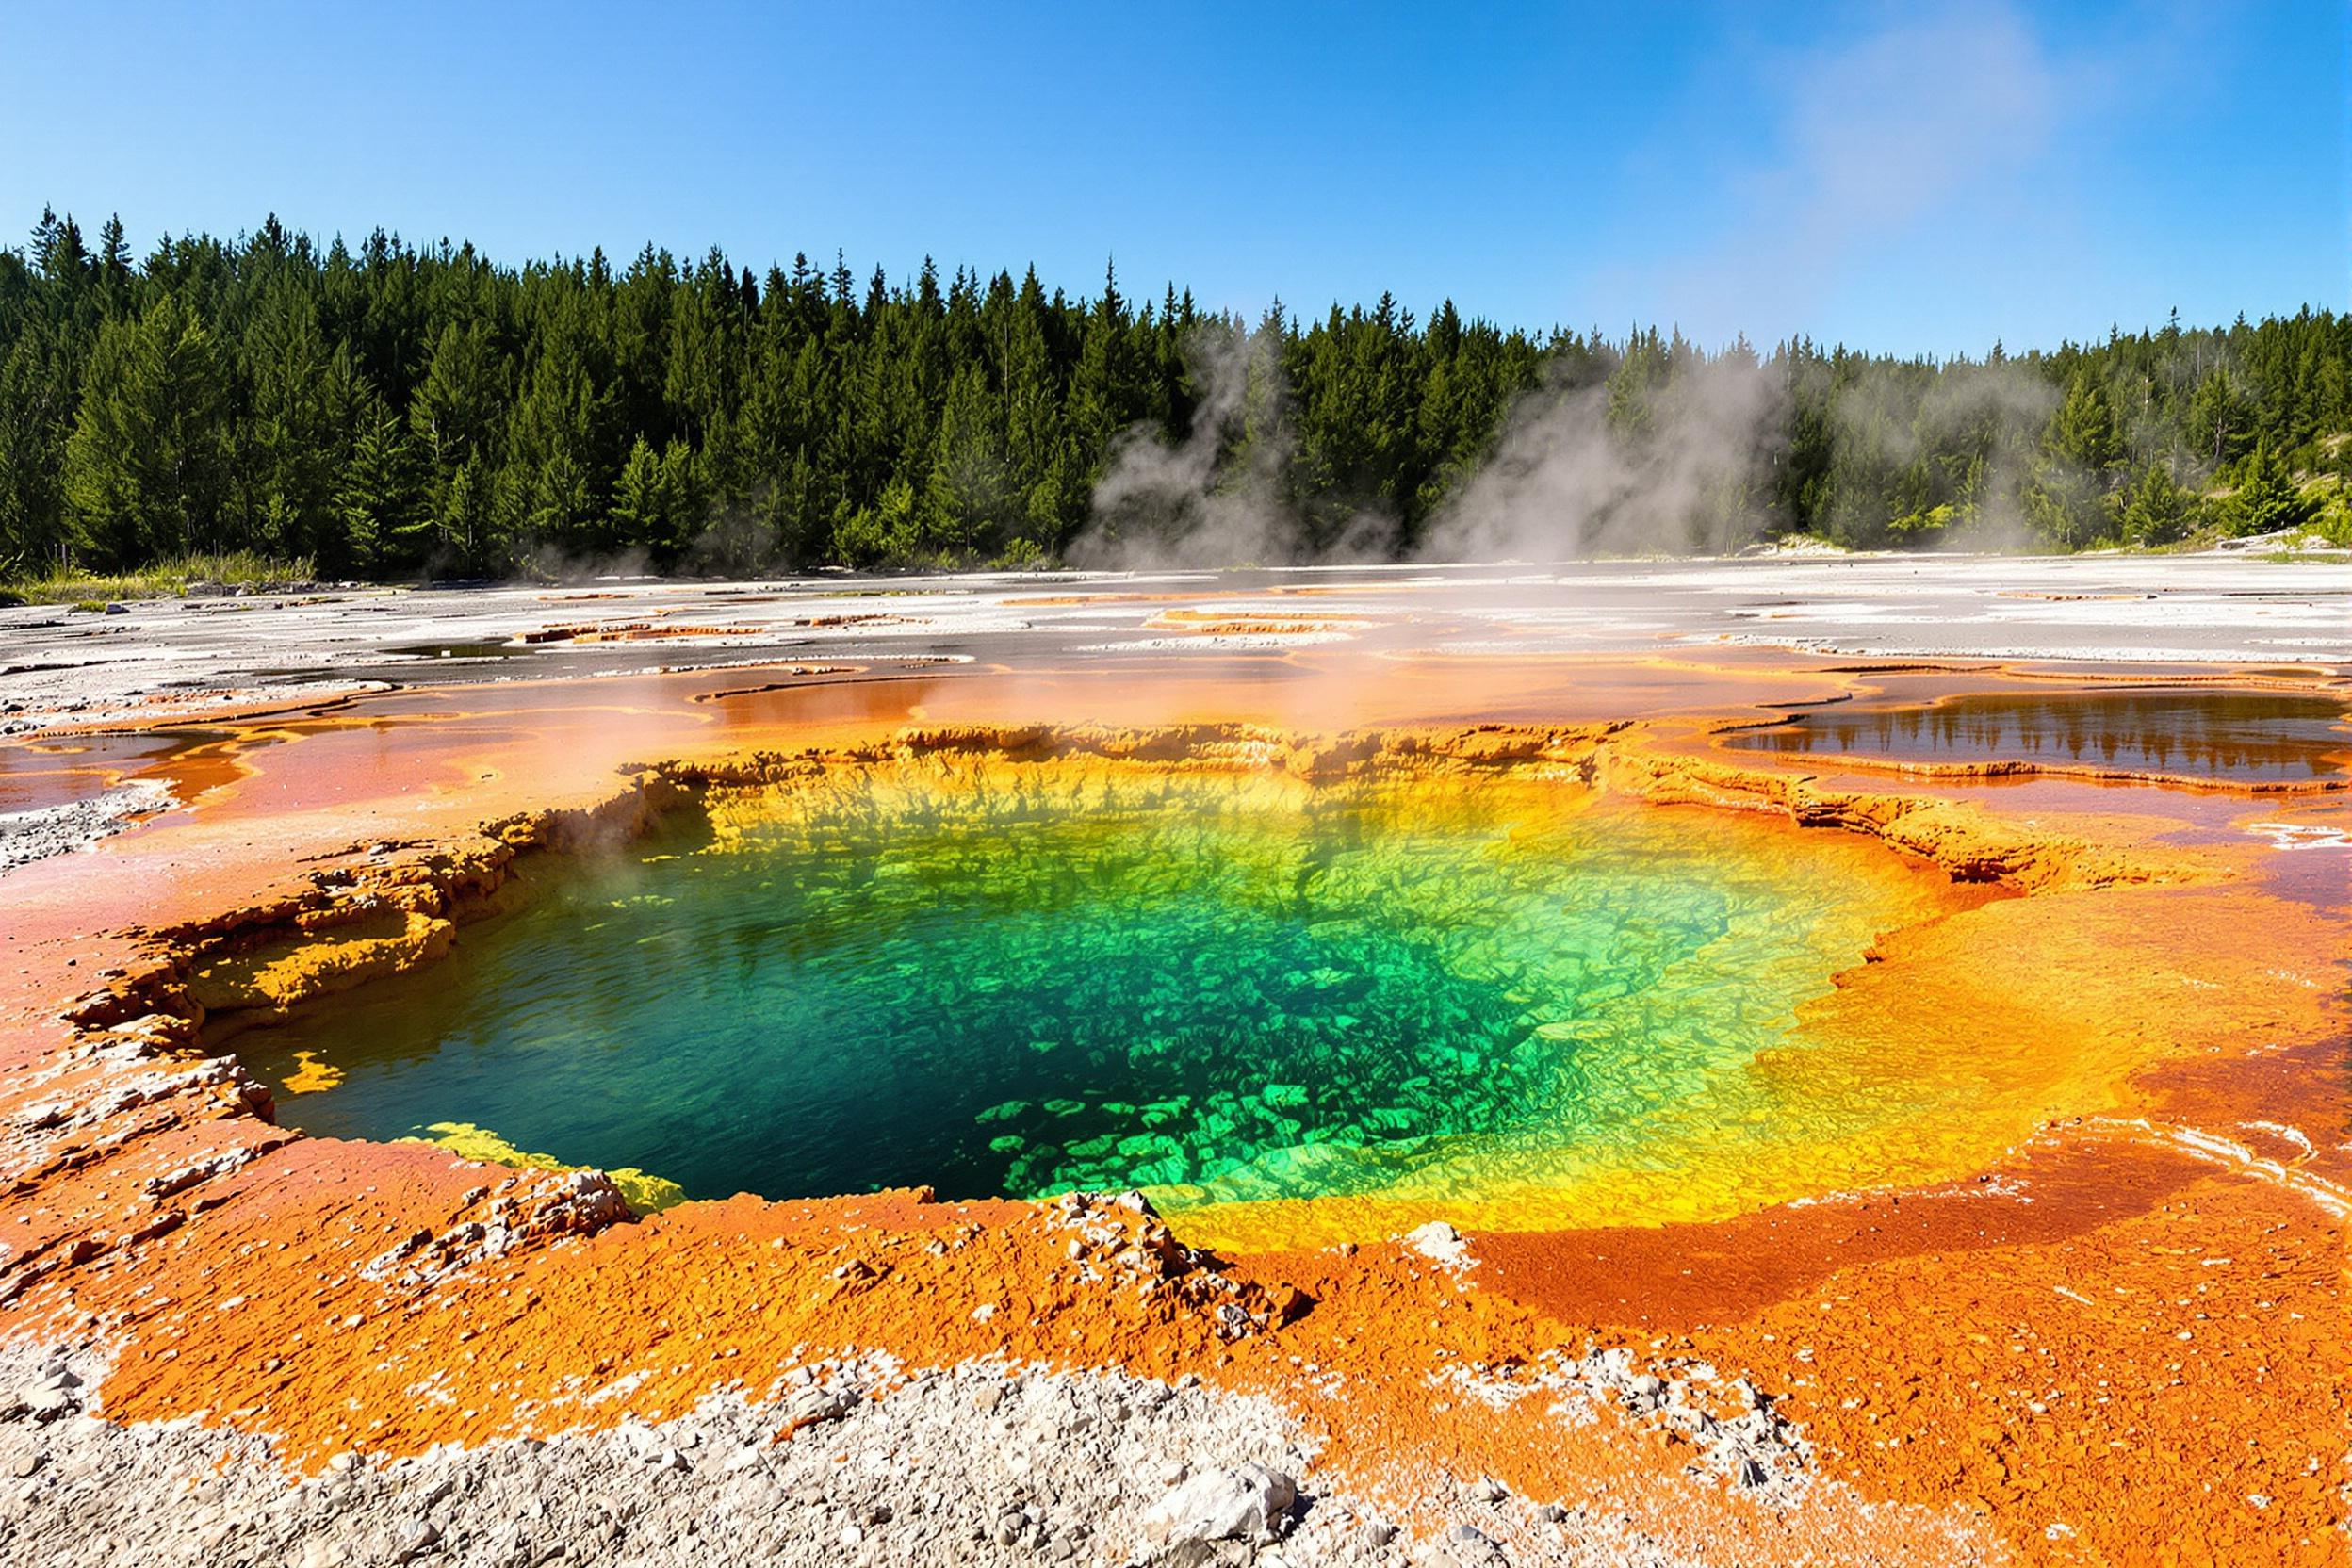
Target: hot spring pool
{"points": [[1018, 981]]}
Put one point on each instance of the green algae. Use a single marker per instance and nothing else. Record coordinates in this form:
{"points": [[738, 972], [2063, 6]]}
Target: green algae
{"points": [[644, 1193]]}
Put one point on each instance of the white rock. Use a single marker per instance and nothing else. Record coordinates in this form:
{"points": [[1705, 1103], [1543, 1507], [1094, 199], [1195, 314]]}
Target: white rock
{"points": [[1247, 1503], [1439, 1243], [44, 1398]]}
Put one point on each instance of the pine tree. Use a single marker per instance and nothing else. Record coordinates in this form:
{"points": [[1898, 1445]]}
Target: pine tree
{"points": [[457, 533], [44, 239], [37, 397], [652, 500], [1057, 504], [550, 493], [458, 405], [287, 454], [2159, 510], [964, 500], [377, 492], [59, 248], [2217, 418], [146, 468], [1098, 400], [2083, 428], [1033, 413], [2267, 500], [114, 264]]}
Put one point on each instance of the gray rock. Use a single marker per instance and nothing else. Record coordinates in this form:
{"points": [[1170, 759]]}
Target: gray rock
{"points": [[1471, 1547], [416, 1541], [815, 1405]]}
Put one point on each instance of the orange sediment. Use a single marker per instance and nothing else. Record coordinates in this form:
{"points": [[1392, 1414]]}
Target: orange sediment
{"points": [[2118, 1336]]}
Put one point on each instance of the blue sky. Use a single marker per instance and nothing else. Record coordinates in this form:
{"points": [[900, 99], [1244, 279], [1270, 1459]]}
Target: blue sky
{"points": [[1903, 178]]}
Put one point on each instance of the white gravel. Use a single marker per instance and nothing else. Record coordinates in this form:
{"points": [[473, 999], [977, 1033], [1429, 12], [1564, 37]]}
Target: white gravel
{"points": [[46, 830], [985, 1463]]}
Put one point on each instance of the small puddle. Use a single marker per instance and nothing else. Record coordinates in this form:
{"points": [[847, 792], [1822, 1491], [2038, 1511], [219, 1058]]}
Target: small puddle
{"points": [[39, 774], [2244, 737], [459, 650]]}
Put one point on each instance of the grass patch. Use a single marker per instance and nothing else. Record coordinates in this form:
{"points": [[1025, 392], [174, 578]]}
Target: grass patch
{"points": [[163, 579]]}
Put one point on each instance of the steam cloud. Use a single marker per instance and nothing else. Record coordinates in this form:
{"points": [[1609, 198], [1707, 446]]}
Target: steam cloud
{"points": [[1564, 481], [1582, 466], [1214, 498], [1860, 152]]}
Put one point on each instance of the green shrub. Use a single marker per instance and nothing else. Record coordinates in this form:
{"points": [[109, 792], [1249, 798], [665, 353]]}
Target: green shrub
{"points": [[164, 580]]}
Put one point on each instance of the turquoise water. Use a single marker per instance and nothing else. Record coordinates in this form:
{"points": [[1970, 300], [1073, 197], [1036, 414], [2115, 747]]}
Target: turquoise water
{"points": [[1167, 983]]}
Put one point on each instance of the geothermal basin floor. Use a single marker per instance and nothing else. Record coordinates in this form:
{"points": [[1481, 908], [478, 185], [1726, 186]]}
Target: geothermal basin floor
{"points": [[2098, 1319]]}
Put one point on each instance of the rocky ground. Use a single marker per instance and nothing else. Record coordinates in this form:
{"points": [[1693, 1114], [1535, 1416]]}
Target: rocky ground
{"points": [[45, 830], [985, 1463], [183, 658]]}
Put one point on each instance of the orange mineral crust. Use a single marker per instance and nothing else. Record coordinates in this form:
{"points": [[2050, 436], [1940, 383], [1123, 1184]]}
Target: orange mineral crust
{"points": [[2108, 1330]]}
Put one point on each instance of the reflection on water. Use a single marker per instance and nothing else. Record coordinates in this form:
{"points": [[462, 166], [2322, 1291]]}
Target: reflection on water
{"points": [[45, 773], [2245, 736], [500, 649]]}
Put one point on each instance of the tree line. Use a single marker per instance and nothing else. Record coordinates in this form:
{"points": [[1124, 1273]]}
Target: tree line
{"points": [[390, 410]]}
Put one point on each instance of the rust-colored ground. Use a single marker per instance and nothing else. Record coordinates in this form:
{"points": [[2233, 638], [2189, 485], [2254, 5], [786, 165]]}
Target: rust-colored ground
{"points": [[2122, 1342]]}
